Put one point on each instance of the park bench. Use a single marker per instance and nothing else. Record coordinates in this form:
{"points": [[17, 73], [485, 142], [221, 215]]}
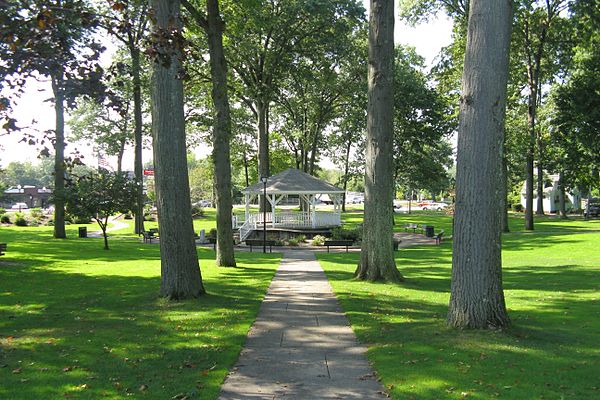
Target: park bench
{"points": [[148, 236], [340, 242], [438, 237], [2, 248], [414, 227], [259, 243]]}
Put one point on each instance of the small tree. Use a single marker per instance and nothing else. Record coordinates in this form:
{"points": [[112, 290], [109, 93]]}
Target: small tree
{"points": [[99, 195]]}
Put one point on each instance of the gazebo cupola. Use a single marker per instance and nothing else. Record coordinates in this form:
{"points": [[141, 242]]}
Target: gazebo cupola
{"points": [[292, 183]]}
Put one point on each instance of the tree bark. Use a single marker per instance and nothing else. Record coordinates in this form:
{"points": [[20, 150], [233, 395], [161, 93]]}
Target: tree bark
{"points": [[346, 172], [137, 116], [59, 155], [561, 196], [221, 137], [180, 271], [377, 253], [263, 140], [540, 185], [505, 226], [477, 298]]}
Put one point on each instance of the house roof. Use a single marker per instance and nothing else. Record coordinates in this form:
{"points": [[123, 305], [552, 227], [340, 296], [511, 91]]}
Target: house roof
{"points": [[293, 181]]}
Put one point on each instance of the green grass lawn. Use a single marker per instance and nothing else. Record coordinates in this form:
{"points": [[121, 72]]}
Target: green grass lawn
{"points": [[552, 288], [80, 322]]}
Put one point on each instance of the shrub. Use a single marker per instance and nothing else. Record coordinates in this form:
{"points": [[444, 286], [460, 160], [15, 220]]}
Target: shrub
{"points": [[212, 233], [36, 212], [81, 220], [517, 207], [197, 211], [318, 240], [292, 242], [20, 221], [301, 238], [35, 222], [5, 219], [339, 233], [148, 217], [2, 210], [128, 216], [50, 223]]}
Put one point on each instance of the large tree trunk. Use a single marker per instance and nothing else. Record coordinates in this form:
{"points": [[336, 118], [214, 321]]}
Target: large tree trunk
{"points": [[477, 298], [263, 139], [377, 253], [59, 156], [180, 271], [122, 143], [504, 187], [346, 172], [562, 207], [221, 137], [138, 162], [540, 187]]}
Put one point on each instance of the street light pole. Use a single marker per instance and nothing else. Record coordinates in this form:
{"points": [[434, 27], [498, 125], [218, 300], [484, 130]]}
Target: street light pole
{"points": [[263, 179]]}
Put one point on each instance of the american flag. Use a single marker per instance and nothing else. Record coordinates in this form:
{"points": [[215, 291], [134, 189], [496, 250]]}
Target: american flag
{"points": [[103, 162]]}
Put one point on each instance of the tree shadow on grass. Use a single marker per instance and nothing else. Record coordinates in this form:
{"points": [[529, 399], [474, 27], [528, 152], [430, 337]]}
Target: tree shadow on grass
{"points": [[93, 336], [550, 352]]}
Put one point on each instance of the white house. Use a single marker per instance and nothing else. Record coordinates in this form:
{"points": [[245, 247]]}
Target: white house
{"points": [[551, 200]]}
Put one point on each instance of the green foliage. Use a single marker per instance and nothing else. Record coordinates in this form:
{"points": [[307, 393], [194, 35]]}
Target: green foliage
{"points": [[197, 211], [36, 212], [100, 195], [293, 241], [318, 240], [26, 173], [340, 233], [2, 210], [20, 220], [5, 219], [577, 117], [212, 233], [422, 153]]}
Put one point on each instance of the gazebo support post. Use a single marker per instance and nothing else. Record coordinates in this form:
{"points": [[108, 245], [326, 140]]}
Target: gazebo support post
{"points": [[247, 199]]}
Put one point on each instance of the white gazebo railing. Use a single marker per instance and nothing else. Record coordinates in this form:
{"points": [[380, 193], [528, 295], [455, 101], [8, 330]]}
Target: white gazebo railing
{"points": [[287, 219]]}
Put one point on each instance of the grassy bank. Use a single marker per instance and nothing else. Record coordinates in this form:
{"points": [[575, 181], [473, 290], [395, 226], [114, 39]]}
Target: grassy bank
{"points": [[552, 292], [80, 322]]}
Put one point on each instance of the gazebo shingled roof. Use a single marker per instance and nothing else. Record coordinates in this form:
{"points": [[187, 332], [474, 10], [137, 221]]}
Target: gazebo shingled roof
{"points": [[293, 181]]}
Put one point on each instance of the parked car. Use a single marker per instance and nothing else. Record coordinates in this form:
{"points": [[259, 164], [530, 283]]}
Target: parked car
{"points": [[19, 206], [434, 206], [594, 208], [203, 203]]}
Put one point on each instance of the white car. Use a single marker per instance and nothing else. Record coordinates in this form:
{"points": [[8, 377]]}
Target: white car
{"points": [[19, 206], [434, 206]]}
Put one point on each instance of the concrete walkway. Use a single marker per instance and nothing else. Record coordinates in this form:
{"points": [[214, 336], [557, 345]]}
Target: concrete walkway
{"points": [[301, 345]]}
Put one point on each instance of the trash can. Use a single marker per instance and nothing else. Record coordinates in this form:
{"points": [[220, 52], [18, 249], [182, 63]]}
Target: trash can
{"points": [[429, 230], [83, 231]]}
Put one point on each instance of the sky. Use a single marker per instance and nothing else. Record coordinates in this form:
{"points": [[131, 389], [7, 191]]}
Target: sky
{"points": [[427, 38]]}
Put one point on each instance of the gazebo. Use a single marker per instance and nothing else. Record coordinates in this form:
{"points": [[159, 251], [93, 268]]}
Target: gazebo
{"points": [[296, 184]]}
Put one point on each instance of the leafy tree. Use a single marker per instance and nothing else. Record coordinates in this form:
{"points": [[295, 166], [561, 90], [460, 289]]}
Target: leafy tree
{"points": [[538, 32], [577, 105], [127, 21], [377, 255], [181, 277], [109, 129], [99, 196], [26, 173], [422, 154], [213, 26], [264, 38], [50, 39], [477, 298]]}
